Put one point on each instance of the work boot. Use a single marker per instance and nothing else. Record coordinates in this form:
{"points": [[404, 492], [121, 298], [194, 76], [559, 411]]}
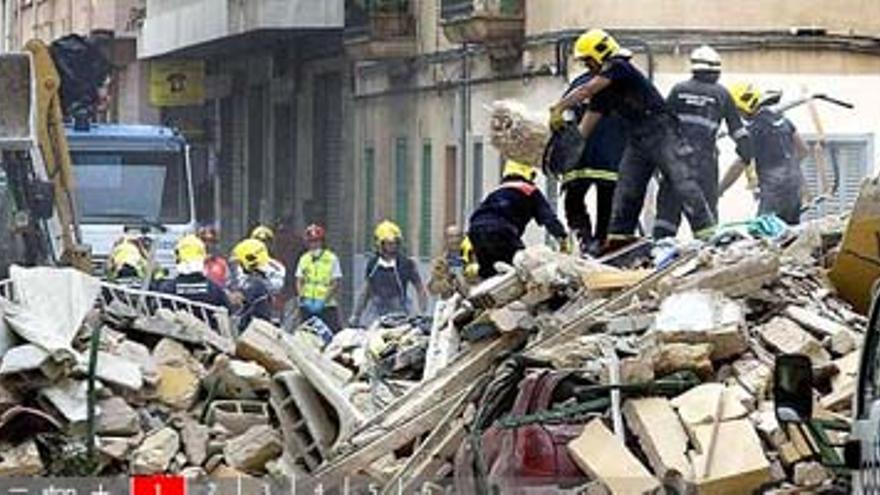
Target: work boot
{"points": [[594, 248], [626, 252], [585, 240], [616, 243]]}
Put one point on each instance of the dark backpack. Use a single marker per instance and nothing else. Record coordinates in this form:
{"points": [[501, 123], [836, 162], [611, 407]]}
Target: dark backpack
{"points": [[563, 152]]}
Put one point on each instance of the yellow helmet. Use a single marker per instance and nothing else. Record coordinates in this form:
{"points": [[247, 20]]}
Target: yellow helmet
{"points": [[516, 169], [251, 254], [190, 248], [127, 254], [263, 233], [467, 248], [387, 231], [746, 96], [595, 44]]}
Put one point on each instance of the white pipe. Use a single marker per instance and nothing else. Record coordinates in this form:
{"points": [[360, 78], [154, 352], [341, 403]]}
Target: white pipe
{"points": [[6, 26], [3, 30]]}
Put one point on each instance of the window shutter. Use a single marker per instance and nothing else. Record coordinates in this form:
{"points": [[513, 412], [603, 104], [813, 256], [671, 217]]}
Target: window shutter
{"points": [[425, 222], [851, 157]]}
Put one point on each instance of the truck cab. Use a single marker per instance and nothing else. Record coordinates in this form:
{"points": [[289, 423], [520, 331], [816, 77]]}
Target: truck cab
{"points": [[131, 179]]}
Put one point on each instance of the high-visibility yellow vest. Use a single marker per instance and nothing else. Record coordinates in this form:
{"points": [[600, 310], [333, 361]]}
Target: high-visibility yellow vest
{"points": [[317, 273]]}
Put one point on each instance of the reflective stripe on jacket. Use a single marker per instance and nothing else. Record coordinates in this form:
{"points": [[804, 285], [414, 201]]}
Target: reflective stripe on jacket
{"points": [[589, 173]]}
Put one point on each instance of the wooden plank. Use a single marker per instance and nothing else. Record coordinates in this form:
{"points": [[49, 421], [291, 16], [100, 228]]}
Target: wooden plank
{"points": [[414, 475], [601, 455], [383, 443], [445, 437], [592, 313], [448, 382], [613, 279]]}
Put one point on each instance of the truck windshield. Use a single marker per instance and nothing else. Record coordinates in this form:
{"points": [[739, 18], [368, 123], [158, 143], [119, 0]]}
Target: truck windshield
{"points": [[118, 186]]}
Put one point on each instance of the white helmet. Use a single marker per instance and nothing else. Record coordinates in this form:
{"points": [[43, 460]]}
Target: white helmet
{"points": [[705, 59]]}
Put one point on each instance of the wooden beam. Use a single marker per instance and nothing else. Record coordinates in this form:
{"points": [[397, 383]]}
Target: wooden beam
{"points": [[592, 313], [448, 382], [384, 443]]}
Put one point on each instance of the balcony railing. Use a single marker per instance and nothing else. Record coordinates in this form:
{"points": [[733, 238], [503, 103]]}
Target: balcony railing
{"points": [[379, 18], [499, 23], [452, 9], [379, 28]]}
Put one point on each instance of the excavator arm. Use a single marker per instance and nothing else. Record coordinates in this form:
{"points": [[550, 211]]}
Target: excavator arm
{"points": [[36, 158]]}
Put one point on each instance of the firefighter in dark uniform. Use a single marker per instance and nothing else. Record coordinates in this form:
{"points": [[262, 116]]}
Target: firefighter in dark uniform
{"points": [[779, 150], [252, 287], [654, 138], [191, 282], [596, 167], [701, 104], [496, 226]]}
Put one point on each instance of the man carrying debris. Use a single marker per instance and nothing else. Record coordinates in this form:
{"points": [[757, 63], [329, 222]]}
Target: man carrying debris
{"points": [[497, 225], [388, 277], [447, 269], [275, 272], [191, 281], [701, 104], [597, 167], [654, 137], [318, 274], [252, 289], [779, 150]]}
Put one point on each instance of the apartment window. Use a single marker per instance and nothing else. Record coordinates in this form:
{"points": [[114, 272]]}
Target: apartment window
{"points": [[477, 161], [401, 184], [369, 194], [425, 221], [851, 157]]}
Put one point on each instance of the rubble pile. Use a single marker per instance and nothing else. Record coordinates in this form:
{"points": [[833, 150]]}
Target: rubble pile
{"points": [[170, 394], [558, 373], [566, 373], [517, 133]]}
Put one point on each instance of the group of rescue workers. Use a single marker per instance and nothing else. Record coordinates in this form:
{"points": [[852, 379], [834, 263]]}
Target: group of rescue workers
{"points": [[628, 131], [246, 282]]}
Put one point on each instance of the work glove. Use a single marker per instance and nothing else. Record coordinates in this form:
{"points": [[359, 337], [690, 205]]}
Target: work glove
{"points": [[557, 119], [471, 271], [564, 245]]}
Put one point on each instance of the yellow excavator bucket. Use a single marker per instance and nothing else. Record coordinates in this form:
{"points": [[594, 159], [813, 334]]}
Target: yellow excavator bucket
{"points": [[857, 267]]}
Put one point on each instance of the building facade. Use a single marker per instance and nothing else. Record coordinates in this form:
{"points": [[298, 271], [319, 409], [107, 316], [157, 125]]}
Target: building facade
{"points": [[269, 133], [420, 109]]}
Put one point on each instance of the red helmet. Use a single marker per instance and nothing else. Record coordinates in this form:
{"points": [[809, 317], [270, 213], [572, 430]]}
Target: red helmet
{"points": [[217, 270], [315, 232]]}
